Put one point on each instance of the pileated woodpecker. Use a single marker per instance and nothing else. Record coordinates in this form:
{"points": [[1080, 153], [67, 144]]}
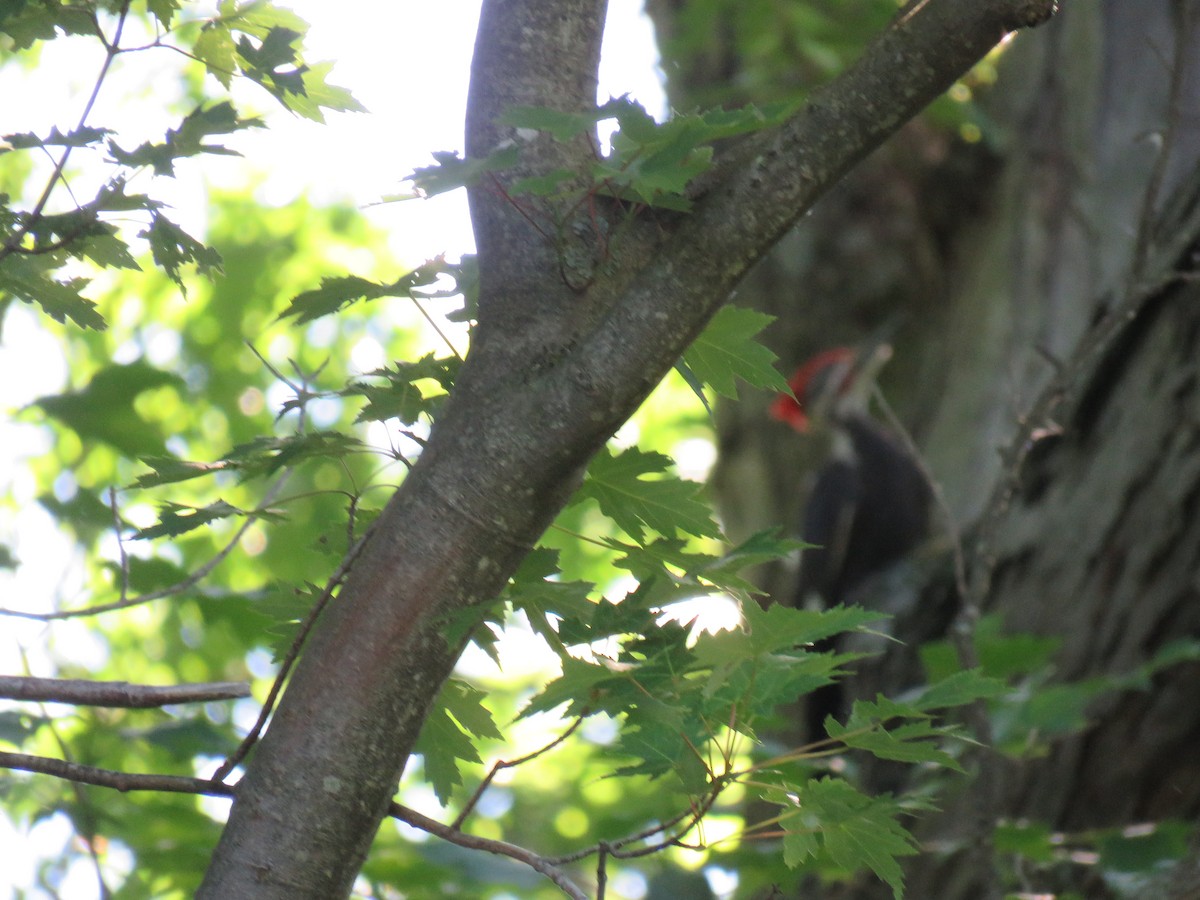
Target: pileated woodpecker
{"points": [[870, 504]]}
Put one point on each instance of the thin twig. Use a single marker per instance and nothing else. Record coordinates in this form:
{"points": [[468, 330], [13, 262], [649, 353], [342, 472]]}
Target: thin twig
{"points": [[949, 522], [434, 325], [116, 694], [119, 781], [122, 555], [203, 571], [292, 655], [962, 637], [694, 814], [85, 817], [214, 787], [501, 848], [457, 824], [615, 848], [498, 189], [962, 634], [601, 870], [1169, 137], [297, 389], [179, 587]]}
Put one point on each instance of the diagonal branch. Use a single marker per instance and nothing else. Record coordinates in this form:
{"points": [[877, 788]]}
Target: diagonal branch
{"points": [[502, 848], [761, 187], [120, 781]]}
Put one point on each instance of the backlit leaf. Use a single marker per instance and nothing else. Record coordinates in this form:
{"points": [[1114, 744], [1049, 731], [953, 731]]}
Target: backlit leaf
{"points": [[665, 504]]}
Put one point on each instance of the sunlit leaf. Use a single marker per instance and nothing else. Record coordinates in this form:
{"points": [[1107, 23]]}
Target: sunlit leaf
{"points": [[163, 10], [175, 519], [664, 504], [319, 95], [216, 49]]}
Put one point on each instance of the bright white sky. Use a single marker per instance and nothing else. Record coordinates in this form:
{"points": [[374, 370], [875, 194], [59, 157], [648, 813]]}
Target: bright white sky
{"points": [[408, 63], [410, 68]]}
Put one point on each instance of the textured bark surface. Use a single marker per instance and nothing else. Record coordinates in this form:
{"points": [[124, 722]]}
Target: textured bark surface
{"points": [[1094, 536], [1121, 490]]}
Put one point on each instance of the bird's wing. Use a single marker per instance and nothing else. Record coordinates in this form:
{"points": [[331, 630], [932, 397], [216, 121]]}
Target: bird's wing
{"points": [[829, 517]]}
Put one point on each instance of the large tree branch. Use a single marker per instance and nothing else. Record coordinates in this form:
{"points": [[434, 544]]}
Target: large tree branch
{"points": [[522, 313], [553, 371]]}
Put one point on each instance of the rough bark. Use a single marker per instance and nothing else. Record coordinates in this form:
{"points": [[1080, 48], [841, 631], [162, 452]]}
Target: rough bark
{"points": [[1078, 451], [1089, 533], [555, 367]]}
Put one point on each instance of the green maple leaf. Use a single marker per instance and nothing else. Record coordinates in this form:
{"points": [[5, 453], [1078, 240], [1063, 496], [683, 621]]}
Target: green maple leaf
{"points": [[317, 94], [392, 393], [445, 738], [583, 687], [959, 689], [441, 745], [465, 703], [168, 470], [265, 455], [855, 830], [724, 571], [216, 49], [556, 609], [664, 504], [30, 281], [451, 172], [905, 743], [175, 519], [163, 10], [726, 351], [172, 248], [335, 293], [780, 627]]}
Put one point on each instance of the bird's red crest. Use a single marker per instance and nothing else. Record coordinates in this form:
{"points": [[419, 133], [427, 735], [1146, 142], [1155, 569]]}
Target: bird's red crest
{"points": [[790, 409]]}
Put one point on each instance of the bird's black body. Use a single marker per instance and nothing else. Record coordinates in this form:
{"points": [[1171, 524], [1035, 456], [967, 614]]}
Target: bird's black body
{"points": [[869, 506], [864, 513]]}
